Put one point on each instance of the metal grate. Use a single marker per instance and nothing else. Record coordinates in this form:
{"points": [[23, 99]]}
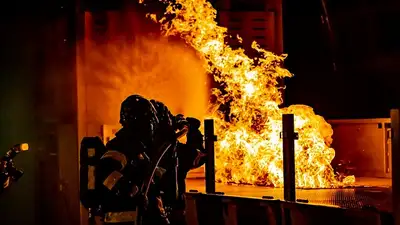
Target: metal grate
{"points": [[355, 197], [358, 198]]}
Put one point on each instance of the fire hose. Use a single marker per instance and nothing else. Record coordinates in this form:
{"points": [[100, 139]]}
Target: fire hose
{"points": [[153, 167], [8, 171]]}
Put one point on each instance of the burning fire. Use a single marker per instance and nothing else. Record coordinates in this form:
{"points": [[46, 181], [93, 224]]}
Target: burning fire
{"points": [[249, 150]]}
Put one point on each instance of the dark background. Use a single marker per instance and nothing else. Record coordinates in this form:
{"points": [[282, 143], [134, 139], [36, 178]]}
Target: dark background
{"points": [[365, 48]]}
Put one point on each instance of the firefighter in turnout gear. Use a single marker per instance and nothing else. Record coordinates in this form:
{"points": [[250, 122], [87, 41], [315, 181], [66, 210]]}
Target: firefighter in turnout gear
{"points": [[186, 157], [191, 155], [122, 168]]}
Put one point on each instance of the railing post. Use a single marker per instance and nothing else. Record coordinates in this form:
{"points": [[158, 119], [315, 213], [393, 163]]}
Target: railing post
{"points": [[395, 129], [210, 139], [288, 136], [289, 170]]}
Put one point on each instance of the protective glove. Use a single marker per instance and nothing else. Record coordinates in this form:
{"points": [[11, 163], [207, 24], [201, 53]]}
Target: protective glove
{"points": [[179, 122]]}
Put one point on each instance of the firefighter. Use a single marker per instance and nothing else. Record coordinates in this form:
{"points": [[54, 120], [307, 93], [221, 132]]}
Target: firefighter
{"points": [[8, 172], [191, 155], [188, 156], [122, 168]]}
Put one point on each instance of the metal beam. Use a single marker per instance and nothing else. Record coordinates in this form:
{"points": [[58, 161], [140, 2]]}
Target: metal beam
{"points": [[210, 138], [395, 129], [288, 136]]}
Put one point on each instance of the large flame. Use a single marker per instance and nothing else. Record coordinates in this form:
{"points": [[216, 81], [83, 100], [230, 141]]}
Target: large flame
{"points": [[249, 149]]}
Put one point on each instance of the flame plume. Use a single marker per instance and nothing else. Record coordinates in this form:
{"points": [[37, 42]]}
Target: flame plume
{"points": [[249, 150]]}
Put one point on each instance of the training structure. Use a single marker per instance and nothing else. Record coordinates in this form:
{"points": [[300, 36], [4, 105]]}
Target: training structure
{"points": [[352, 205]]}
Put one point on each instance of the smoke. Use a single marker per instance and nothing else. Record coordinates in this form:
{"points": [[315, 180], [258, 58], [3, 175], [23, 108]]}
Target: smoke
{"points": [[153, 67]]}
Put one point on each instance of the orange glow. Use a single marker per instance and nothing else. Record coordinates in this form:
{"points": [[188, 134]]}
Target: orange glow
{"points": [[249, 149], [24, 147], [153, 67]]}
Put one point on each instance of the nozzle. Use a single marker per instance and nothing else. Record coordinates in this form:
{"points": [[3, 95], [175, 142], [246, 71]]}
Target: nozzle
{"points": [[24, 147], [15, 150], [20, 147]]}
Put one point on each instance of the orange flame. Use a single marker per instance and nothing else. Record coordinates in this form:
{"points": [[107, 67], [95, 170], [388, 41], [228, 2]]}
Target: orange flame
{"points": [[250, 149]]}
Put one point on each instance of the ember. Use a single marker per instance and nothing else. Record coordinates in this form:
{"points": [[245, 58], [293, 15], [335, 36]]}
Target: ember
{"points": [[249, 150]]}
